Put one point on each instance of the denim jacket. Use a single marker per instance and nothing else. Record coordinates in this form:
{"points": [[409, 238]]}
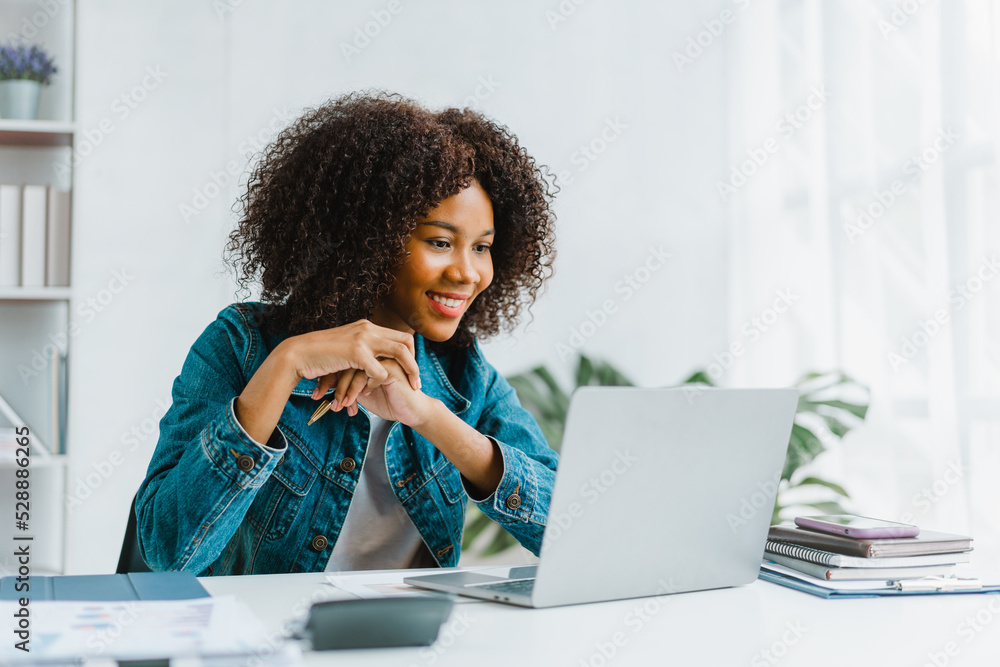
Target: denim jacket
{"points": [[214, 501]]}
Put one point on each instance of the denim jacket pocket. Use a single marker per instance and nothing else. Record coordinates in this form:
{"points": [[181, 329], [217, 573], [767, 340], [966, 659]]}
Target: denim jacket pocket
{"points": [[450, 481], [277, 504]]}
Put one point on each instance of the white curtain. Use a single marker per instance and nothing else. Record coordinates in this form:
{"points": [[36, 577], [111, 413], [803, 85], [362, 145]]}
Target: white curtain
{"points": [[864, 183]]}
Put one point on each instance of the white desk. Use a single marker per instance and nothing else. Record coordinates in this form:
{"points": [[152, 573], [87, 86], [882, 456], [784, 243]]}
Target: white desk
{"points": [[723, 627]]}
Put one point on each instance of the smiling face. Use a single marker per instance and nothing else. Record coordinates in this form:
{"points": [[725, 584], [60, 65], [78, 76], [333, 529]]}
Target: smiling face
{"points": [[448, 265]]}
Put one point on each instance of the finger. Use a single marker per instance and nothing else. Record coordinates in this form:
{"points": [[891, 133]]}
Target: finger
{"points": [[359, 382], [343, 382], [377, 374], [404, 356], [398, 337], [324, 384]]}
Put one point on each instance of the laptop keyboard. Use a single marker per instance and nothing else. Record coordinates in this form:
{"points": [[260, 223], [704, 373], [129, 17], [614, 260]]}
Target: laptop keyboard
{"points": [[519, 586]]}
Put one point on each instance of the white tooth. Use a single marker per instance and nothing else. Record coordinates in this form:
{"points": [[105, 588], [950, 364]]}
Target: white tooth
{"points": [[450, 303]]}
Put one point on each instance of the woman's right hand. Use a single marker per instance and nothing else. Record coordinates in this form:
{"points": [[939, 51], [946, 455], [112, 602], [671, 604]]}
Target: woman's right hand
{"points": [[348, 357]]}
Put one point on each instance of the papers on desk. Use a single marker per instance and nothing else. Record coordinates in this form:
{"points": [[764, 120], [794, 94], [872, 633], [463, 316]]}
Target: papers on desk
{"points": [[387, 584], [144, 629], [965, 582], [848, 585]]}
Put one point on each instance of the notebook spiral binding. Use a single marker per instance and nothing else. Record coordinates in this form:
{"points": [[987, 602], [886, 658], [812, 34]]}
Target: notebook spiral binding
{"points": [[802, 553]]}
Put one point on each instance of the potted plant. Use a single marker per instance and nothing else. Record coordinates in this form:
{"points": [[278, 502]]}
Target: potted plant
{"points": [[23, 72]]}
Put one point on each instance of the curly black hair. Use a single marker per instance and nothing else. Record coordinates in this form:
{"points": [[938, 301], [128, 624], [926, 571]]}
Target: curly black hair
{"points": [[328, 209]]}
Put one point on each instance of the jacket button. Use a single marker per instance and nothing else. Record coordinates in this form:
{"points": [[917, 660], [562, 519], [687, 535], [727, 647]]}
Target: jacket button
{"points": [[244, 462], [320, 542], [513, 501], [347, 465], [280, 461]]}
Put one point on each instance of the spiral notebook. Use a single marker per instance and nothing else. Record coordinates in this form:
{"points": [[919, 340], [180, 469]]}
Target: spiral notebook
{"points": [[832, 559], [927, 542]]}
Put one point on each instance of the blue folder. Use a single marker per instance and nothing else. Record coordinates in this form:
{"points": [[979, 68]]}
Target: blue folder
{"points": [[105, 587], [833, 594]]}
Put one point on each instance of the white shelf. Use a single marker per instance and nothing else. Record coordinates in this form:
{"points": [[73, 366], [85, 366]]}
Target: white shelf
{"points": [[35, 318], [35, 293], [36, 133]]}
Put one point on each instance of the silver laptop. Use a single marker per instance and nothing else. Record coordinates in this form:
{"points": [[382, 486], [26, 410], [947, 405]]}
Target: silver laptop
{"points": [[658, 491]]}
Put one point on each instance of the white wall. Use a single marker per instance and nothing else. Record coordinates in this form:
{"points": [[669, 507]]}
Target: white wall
{"points": [[228, 74]]}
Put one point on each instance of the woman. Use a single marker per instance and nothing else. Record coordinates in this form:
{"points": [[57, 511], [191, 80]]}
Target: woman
{"points": [[387, 239]]}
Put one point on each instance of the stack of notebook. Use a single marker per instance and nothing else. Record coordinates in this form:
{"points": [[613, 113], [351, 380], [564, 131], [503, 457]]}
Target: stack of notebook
{"points": [[832, 557]]}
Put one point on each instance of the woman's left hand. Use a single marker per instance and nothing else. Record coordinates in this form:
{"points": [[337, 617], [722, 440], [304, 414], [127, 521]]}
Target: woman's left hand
{"points": [[395, 399]]}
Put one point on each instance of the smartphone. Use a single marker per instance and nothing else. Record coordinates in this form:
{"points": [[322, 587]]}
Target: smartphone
{"points": [[856, 526]]}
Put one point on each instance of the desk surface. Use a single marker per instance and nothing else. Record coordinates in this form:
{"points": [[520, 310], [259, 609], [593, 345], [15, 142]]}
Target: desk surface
{"points": [[758, 625]]}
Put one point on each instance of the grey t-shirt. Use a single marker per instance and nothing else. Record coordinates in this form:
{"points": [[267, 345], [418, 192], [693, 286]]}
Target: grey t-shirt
{"points": [[377, 534]]}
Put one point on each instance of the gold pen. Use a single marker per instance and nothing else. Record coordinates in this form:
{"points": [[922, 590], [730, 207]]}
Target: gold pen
{"points": [[320, 411]]}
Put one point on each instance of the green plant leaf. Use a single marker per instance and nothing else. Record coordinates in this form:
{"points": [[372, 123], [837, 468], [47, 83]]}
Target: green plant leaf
{"points": [[537, 403], [609, 376], [699, 377], [826, 506], [811, 445], [803, 447], [553, 433], [836, 426], [816, 481], [475, 523], [584, 371], [559, 398], [855, 409], [500, 543], [809, 384], [793, 460]]}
